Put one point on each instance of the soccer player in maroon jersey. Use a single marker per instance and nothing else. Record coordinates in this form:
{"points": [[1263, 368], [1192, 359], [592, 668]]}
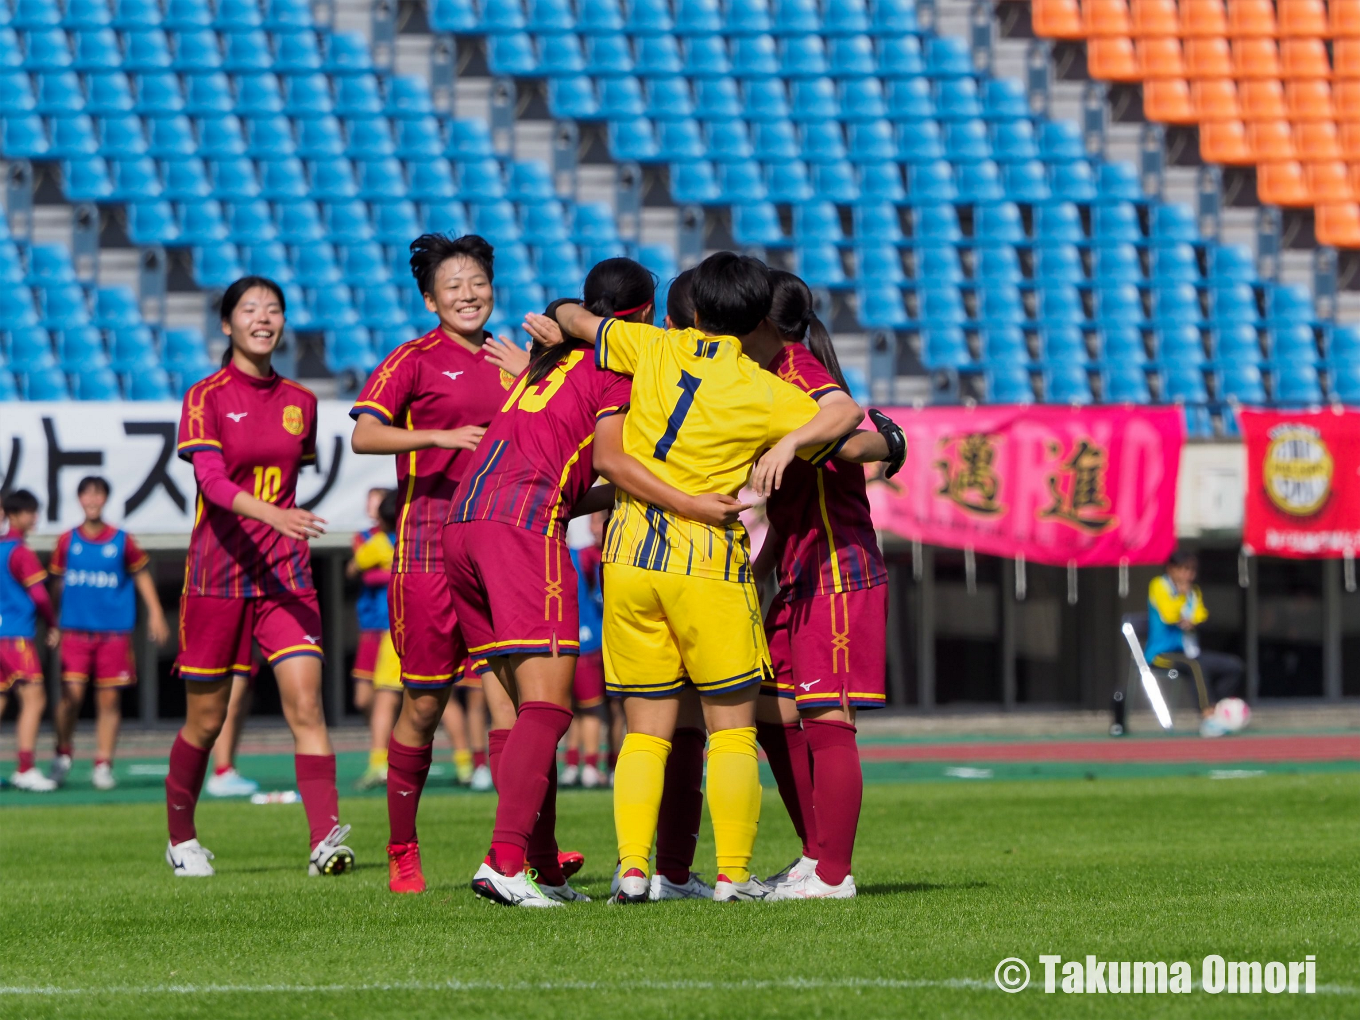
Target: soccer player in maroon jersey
{"points": [[248, 431], [429, 403], [511, 575], [827, 624]]}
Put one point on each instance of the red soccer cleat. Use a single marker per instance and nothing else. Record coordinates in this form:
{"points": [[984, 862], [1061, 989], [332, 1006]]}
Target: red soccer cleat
{"points": [[403, 868], [570, 861]]}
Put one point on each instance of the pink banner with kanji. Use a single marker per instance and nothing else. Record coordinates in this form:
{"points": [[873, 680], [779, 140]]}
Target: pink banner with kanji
{"points": [[1094, 486]]}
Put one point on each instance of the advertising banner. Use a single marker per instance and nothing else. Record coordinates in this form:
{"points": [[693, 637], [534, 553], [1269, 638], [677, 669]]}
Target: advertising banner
{"points": [[1093, 486], [1303, 483]]}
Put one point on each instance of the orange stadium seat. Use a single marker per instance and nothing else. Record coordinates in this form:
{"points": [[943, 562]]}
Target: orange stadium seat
{"points": [[1329, 182], [1153, 18], [1304, 58], [1168, 101], [1346, 58], [1348, 139], [1302, 19], [1338, 225], [1208, 58], [1284, 183], [1112, 59], [1317, 142], [1271, 140], [1262, 99], [1255, 58], [1204, 19], [1104, 18], [1353, 169], [1309, 100], [1344, 19], [1057, 19], [1251, 19], [1160, 58], [1225, 141], [1346, 99], [1215, 99]]}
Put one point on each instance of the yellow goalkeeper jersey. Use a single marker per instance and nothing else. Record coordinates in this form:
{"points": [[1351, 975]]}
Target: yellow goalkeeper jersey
{"points": [[701, 412]]}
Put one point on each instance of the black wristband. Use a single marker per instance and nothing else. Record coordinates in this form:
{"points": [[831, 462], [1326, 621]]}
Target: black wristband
{"points": [[551, 310], [895, 438]]}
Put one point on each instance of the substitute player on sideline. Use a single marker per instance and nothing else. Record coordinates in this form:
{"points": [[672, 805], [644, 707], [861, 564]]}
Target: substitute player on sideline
{"points": [[512, 580], [827, 624], [377, 670], [22, 600], [429, 402], [95, 568], [680, 602], [248, 431]]}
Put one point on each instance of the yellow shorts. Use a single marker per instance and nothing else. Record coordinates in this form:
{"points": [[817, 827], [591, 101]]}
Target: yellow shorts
{"points": [[387, 670], [664, 630]]}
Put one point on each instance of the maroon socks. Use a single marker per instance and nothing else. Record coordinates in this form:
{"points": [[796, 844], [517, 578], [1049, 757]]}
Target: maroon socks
{"points": [[839, 792], [25, 760], [682, 805], [407, 770], [530, 754], [183, 783], [495, 746], [541, 852], [316, 784], [786, 747]]}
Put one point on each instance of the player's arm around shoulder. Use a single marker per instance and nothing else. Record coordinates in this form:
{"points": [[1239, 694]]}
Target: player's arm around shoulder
{"points": [[618, 344], [801, 426]]}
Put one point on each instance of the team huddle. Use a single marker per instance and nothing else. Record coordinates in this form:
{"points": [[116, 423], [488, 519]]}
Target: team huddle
{"points": [[497, 449]]}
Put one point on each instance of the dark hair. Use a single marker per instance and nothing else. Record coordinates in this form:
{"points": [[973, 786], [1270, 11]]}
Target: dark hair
{"points": [[387, 510], [731, 294], [680, 301], [430, 251], [231, 297], [612, 285], [19, 501], [93, 482], [792, 314], [1182, 558]]}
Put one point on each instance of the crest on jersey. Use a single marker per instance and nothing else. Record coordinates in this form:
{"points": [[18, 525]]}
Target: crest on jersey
{"points": [[292, 420]]}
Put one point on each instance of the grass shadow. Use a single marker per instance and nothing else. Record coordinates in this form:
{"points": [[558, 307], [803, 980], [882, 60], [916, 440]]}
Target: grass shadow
{"points": [[896, 888]]}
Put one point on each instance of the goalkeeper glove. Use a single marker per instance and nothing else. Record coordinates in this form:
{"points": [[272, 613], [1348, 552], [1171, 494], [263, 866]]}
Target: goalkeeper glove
{"points": [[894, 436]]}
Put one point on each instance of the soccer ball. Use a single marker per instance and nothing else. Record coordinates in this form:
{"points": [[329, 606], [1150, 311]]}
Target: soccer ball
{"points": [[1232, 714]]}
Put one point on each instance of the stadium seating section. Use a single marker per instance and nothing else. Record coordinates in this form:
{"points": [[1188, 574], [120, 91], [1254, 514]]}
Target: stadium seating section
{"points": [[841, 131]]}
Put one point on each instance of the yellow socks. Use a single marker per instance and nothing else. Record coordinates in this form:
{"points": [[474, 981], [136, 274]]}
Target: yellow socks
{"points": [[462, 765], [734, 798], [639, 779], [377, 758]]}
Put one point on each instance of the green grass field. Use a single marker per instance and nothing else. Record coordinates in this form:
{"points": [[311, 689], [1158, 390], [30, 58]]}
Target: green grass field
{"points": [[953, 877]]}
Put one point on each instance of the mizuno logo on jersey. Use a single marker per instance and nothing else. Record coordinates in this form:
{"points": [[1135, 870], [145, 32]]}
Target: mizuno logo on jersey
{"points": [[238, 416], [453, 375], [809, 685]]}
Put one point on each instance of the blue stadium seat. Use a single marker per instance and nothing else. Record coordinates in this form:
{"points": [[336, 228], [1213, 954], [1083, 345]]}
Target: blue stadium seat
{"points": [[220, 137], [742, 183], [357, 95], [669, 99], [1000, 304], [59, 92], [957, 99], [936, 223], [979, 182], [95, 50], [1242, 383], [756, 224], [649, 17], [727, 141], [146, 49], [1005, 100], [878, 264], [246, 51], [544, 222], [236, 15], [233, 179], [1117, 302], [899, 57], [755, 57], [608, 56], [852, 57], [1008, 384], [297, 53], [369, 138], [1074, 181], [1060, 141], [845, 17], [1058, 222], [458, 16], [430, 181], [948, 57], [347, 53], [1060, 263], [823, 142], [1344, 342], [511, 54], [171, 137], [1345, 381], [776, 142], [1013, 141], [134, 178], [572, 98], [1236, 342], [133, 347], [560, 55], [945, 347], [559, 268], [30, 346], [1174, 263], [836, 182], [877, 224], [446, 218], [997, 264], [803, 56], [121, 137], [881, 182], [283, 179], [1184, 382], [309, 95], [788, 182], [621, 98], [46, 50], [320, 138], [1026, 182], [332, 180], [317, 267], [179, 14], [249, 221], [698, 17], [1292, 342], [934, 265], [1121, 342], [966, 142], [395, 222], [817, 221], [658, 56], [1180, 343], [418, 138], [201, 224], [87, 14], [481, 180], [269, 259], [217, 266], [550, 16], [1230, 263], [881, 306], [1119, 182], [469, 139], [73, 137], [186, 179], [270, 137], [1116, 222], [35, 14], [894, 17], [633, 138], [46, 384], [910, 101], [207, 94], [1117, 261], [148, 382], [1004, 344], [1066, 383], [680, 141], [873, 142], [108, 93], [796, 17], [1125, 383], [1289, 303], [257, 95], [863, 100]]}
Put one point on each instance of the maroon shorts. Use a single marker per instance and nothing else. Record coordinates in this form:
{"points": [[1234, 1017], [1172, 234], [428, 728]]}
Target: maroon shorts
{"points": [[103, 656], [425, 630], [587, 687], [19, 663], [830, 648], [514, 590], [366, 655], [215, 633]]}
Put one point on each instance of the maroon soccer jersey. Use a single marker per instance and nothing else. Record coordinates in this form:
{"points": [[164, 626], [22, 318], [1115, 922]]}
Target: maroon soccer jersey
{"points": [[822, 513], [265, 430], [433, 382], [535, 460]]}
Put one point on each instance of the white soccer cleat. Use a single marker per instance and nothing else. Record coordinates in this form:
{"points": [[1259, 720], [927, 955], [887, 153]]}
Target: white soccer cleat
{"points": [[331, 856], [811, 887], [800, 868], [563, 893], [633, 887], [60, 768], [33, 781], [571, 775], [694, 889], [591, 778], [727, 891], [189, 859], [481, 779], [231, 784], [511, 890], [103, 777]]}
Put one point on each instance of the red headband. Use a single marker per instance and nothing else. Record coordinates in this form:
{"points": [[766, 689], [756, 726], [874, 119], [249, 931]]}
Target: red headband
{"points": [[629, 311]]}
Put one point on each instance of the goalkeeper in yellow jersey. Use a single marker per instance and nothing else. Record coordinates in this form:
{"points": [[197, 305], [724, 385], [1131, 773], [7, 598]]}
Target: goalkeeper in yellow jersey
{"points": [[681, 605]]}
